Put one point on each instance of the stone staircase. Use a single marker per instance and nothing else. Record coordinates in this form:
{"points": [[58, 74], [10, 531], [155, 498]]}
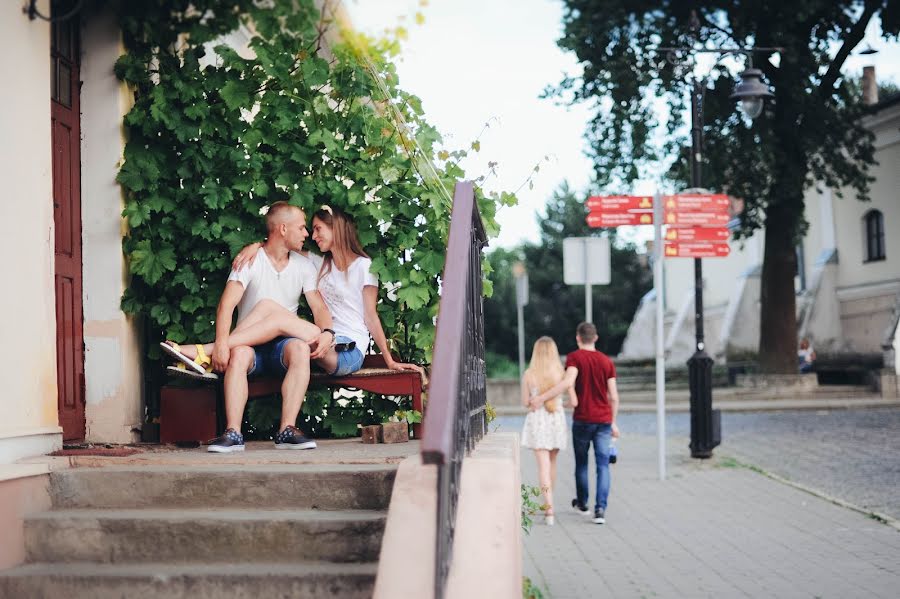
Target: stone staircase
{"points": [[201, 531]]}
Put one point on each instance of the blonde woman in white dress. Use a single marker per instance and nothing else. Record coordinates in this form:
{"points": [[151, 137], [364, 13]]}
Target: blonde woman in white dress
{"points": [[545, 428]]}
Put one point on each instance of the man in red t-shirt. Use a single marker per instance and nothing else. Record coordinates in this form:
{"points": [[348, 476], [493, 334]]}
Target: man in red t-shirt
{"points": [[593, 375]]}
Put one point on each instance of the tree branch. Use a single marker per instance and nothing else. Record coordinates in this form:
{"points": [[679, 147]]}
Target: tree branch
{"points": [[854, 36]]}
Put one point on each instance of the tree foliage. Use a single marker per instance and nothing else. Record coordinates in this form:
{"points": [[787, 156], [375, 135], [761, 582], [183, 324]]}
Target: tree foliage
{"points": [[554, 308], [810, 133], [217, 132]]}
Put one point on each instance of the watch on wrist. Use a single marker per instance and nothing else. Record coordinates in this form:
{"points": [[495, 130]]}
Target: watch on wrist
{"points": [[333, 334]]}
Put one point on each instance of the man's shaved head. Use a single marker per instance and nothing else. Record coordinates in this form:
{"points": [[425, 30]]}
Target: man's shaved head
{"points": [[281, 213]]}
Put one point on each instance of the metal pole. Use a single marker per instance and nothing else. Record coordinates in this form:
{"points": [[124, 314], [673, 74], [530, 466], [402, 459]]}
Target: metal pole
{"points": [[660, 291], [700, 364], [588, 304], [520, 312]]}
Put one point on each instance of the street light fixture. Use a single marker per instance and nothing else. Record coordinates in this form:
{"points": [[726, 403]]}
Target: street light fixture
{"points": [[750, 93]]}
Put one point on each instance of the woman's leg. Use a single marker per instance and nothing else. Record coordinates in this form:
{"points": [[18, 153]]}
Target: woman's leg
{"points": [[553, 455], [266, 321], [543, 462]]}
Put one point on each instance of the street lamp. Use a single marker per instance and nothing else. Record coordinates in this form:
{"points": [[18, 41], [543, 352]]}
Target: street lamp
{"points": [[750, 93]]}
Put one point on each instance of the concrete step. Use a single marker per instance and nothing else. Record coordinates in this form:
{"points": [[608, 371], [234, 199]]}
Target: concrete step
{"points": [[183, 536], [310, 486], [195, 581], [729, 394]]}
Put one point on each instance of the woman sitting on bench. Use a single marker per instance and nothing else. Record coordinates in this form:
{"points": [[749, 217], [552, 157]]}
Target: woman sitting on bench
{"points": [[350, 292]]}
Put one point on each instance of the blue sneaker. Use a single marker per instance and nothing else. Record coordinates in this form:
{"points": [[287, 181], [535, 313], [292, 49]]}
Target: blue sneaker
{"points": [[229, 442], [292, 438]]}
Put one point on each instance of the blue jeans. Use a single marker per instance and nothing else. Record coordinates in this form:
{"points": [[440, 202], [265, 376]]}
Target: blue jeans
{"points": [[583, 434], [269, 358], [348, 361]]}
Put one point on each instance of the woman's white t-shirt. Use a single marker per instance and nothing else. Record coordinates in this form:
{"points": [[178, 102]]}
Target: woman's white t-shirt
{"points": [[343, 294]]}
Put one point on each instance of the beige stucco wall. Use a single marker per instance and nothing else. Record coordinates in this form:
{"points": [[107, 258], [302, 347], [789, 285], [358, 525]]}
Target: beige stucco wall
{"points": [[112, 360], [864, 293], [28, 352]]}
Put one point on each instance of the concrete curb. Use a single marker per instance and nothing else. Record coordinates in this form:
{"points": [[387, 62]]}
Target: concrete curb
{"points": [[763, 405]]}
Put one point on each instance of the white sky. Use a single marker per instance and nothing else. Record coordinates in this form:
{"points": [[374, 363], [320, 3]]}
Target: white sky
{"points": [[475, 61]]}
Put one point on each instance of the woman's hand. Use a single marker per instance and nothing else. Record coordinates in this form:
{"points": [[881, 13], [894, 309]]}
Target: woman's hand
{"points": [[246, 256], [392, 365]]}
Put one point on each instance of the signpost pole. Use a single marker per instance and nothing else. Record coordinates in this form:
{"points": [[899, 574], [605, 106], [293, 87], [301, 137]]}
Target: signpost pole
{"points": [[588, 303], [660, 346]]}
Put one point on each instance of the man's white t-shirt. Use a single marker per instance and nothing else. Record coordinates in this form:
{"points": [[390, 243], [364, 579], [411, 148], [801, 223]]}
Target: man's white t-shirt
{"points": [[261, 281], [343, 294]]}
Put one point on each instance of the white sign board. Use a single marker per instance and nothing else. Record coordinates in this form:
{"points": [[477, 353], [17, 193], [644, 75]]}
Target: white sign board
{"points": [[591, 250]]}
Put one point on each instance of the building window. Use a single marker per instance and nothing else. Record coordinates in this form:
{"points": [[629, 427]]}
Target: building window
{"points": [[874, 235]]}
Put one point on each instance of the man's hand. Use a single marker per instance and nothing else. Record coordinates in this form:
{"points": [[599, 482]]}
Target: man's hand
{"points": [[220, 356], [615, 430], [321, 345]]}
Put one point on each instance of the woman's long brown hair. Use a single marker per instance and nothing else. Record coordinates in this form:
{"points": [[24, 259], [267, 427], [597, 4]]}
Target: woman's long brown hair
{"points": [[345, 240]]}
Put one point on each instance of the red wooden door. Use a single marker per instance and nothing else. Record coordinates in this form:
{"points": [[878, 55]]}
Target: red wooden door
{"points": [[66, 141]]}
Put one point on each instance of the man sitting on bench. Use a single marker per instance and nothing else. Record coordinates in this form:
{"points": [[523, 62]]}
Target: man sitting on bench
{"points": [[279, 275]]}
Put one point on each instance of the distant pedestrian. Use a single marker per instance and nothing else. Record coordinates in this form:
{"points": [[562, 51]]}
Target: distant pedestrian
{"points": [[545, 425], [593, 376], [806, 356]]}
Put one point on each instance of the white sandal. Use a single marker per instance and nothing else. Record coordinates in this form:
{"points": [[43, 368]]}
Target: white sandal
{"points": [[201, 364]]}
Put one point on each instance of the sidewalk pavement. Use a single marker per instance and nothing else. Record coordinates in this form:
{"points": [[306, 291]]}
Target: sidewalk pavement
{"points": [[714, 528]]}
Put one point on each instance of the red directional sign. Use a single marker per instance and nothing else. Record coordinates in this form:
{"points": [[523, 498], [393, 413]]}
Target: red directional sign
{"points": [[617, 211], [618, 219], [620, 203], [674, 233], [697, 203], [699, 219], [697, 249]]}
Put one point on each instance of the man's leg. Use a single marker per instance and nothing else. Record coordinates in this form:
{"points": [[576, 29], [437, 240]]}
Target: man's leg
{"points": [[296, 380], [581, 441], [601, 440], [241, 363], [293, 355]]}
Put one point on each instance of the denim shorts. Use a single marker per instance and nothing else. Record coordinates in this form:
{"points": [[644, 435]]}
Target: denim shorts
{"points": [[348, 361], [269, 358]]}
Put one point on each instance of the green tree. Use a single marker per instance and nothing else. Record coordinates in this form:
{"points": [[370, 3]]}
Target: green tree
{"points": [[554, 308], [810, 133]]}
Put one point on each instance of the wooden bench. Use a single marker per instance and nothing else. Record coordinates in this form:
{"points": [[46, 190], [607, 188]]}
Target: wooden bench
{"points": [[196, 414]]}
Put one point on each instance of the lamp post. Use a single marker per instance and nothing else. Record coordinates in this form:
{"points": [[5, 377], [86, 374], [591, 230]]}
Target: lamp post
{"points": [[750, 93]]}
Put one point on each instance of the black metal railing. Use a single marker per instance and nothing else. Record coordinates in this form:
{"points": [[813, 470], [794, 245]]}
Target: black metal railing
{"points": [[456, 419]]}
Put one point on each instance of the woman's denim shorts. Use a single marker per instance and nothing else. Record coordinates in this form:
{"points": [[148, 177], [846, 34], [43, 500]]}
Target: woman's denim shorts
{"points": [[348, 361]]}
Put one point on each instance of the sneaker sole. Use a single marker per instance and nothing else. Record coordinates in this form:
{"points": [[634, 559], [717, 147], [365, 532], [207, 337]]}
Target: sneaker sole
{"points": [[308, 445], [599, 520], [220, 449]]}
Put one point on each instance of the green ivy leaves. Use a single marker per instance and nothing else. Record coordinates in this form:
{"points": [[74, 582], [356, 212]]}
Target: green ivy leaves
{"points": [[209, 146]]}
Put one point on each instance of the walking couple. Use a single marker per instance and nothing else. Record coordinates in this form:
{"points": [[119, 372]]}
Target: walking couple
{"points": [[265, 286], [589, 380]]}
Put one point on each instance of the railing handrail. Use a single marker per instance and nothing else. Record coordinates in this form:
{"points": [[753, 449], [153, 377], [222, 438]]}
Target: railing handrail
{"points": [[465, 222]]}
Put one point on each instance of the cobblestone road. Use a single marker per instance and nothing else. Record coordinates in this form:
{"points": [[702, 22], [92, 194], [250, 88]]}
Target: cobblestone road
{"points": [[853, 455]]}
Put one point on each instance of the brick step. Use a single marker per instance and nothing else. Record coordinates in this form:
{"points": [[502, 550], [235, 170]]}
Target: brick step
{"points": [[185, 536], [194, 581], [279, 486]]}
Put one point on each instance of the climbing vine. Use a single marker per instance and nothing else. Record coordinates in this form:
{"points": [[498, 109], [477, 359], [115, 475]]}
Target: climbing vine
{"points": [[220, 130]]}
